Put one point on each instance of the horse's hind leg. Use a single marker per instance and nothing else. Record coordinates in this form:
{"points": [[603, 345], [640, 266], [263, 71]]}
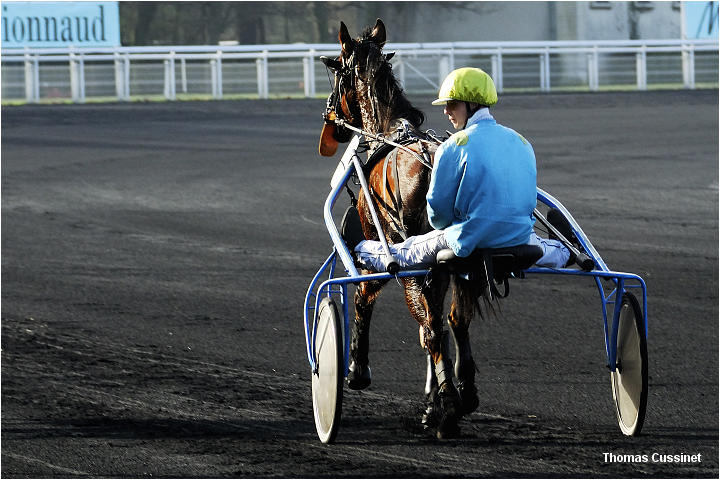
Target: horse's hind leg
{"points": [[464, 299], [359, 369], [425, 301]]}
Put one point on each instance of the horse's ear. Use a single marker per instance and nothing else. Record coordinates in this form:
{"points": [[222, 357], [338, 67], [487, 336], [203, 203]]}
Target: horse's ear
{"points": [[378, 33], [345, 39], [388, 56]]}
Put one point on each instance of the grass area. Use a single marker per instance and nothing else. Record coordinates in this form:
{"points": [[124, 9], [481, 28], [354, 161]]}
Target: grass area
{"points": [[248, 96]]}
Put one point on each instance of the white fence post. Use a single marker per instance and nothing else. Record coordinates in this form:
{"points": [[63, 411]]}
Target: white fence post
{"points": [[32, 78], [72, 64], [596, 69], [641, 68], [213, 77], [691, 67], [120, 77], [688, 66], [81, 66], [262, 75], [544, 72], [126, 93], [546, 69], [183, 75], [77, 78], [593, 80], [309, 74], [173, 81], [169, 90], [219, 76], [589, 71]]}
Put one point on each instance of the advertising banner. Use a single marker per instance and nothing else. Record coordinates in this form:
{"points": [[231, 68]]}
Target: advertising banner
{"points": [[700, 19], [60, 24]]}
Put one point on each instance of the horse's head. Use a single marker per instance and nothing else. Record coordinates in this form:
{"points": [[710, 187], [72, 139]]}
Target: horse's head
{"points": [[353, 99]]}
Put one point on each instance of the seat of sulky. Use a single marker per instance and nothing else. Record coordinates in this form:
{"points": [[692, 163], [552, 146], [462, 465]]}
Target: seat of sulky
{"points": [[505, 261]]}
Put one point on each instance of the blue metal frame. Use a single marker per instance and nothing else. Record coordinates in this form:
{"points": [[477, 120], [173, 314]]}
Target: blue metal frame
{"points": [[319, 288]]}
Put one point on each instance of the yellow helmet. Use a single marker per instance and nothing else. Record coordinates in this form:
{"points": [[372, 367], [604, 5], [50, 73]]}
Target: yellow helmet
{"points": [[467, 85]]}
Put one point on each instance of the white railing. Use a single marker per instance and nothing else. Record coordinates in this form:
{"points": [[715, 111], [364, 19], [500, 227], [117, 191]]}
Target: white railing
{"points": [[263, 71]]}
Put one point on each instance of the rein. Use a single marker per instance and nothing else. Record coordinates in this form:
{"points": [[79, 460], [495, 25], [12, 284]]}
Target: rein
{"points": [[378, 137]]}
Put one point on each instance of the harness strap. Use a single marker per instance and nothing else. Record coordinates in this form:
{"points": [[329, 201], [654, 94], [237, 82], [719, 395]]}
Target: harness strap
{"points": [[388, 150], [388, 182], [385, 185], [380, 138], [398, 197]]}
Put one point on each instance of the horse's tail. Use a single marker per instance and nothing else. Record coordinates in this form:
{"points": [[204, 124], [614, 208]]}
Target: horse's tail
{"points": [[484, 302]]}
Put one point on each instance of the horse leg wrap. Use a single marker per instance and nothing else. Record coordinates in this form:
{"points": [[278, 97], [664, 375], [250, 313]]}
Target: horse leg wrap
{"points": [[443, 372], [430, 378], [431, 415]]}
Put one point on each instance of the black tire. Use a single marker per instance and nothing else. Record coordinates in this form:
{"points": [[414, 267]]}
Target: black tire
{"points": [[327, 383], [630, 379]]}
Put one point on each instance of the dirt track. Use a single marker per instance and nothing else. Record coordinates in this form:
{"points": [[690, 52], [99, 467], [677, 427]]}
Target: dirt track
{"points": [[155, 259]]}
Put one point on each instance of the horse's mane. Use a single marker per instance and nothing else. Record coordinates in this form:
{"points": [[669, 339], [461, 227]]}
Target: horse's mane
{"points": [[391, 100]]}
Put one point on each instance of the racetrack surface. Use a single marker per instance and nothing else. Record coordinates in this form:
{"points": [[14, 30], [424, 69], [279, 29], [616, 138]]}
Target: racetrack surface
{"points": [[155, 259]]}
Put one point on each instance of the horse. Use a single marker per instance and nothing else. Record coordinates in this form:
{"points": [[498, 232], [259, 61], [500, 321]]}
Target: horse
{"points": [[366, 95]]}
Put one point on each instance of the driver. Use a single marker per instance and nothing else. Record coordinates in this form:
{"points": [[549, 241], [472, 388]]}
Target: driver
{"points": [[483, 187]]}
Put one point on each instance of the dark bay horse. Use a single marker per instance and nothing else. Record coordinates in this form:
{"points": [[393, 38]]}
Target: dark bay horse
{"points": [[366, 95]]}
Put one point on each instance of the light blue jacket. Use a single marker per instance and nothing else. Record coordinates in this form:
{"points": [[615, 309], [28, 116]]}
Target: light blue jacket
{"points": [[483, 187]]}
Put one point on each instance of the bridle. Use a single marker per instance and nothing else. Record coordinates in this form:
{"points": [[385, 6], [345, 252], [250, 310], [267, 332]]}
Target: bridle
{"points": [[338, 112], [346, 73]]}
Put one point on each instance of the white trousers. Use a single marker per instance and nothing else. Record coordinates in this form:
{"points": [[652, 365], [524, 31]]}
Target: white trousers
{"points": [[555, 254], [420, 251]]}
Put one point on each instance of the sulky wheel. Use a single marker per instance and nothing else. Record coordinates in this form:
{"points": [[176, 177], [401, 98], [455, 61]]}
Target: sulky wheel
{"points": [[327, 382], [630, 378]]}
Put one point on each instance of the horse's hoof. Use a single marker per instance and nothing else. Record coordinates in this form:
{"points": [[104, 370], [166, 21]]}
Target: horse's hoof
{"points": [[448, 426], [450, 407], [468, 398], [448, 429], [430, 417], [358, 376]]}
